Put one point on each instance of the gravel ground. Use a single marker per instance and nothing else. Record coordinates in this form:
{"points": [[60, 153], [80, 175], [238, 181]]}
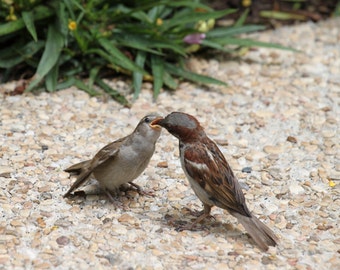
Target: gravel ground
{"points": [[280, 116]]}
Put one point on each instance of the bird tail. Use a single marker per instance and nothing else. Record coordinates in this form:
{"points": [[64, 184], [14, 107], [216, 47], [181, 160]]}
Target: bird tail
{"points": [[81, 171], [261, 234], [78, 168]]}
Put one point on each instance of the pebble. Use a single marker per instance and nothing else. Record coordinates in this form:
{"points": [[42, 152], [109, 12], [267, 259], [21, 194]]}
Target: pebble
{"points": [[296, 189], [270, 149]]}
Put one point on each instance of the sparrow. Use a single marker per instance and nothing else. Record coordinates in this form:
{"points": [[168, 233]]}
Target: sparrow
{"points": [[211, 177], [121, 161]]}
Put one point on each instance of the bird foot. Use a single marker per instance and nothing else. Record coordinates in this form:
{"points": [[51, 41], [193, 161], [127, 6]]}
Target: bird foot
{"points": [[201, 215], [114, 200], [198, 214], [142, 192]]}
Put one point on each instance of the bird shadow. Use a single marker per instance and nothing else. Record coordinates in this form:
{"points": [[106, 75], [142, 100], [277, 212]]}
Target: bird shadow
{"points": [[179, 218], [123, 196]]}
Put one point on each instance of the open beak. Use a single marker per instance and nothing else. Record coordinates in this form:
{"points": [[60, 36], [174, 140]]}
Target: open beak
{"points": [[155, 123]]}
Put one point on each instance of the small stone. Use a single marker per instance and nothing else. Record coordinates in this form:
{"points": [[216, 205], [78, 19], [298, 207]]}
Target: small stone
{"points": [[111, 258], [296, 189], [319, 188], [291, 139], [222, 142], [162, 164], [41, 222], [247, 169], [328, 133], [269, 149], [126, 218], [16, 223], [63, 240]]}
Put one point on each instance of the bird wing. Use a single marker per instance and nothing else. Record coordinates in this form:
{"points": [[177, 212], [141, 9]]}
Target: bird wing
{"points": [[109, 151], [206, 164]]}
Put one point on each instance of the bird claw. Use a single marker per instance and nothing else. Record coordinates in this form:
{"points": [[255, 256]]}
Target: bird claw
{"points": [[190, 227], [198, 214], [194, 213], [142, 192]]}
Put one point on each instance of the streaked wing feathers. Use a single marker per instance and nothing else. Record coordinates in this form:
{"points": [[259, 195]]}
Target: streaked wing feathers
{"points": [[206, 164]]}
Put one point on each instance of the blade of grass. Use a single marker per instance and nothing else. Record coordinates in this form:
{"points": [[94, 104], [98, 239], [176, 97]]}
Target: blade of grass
{"points": [[93, 76], [215, 45], [191, 76], [51, 79], [251, 43], [15, 54], [118, 57], [232, 31], [279, 15], [112, 92], [157, 67], [193, 17], [169, 81], [242, 18], [82, 86], [66, 83], [137, 77], [28, 18], [40, 12], [54, 45]]}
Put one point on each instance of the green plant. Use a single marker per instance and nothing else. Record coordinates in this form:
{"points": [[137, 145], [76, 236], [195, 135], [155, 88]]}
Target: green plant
{"points": [[64, 41]]}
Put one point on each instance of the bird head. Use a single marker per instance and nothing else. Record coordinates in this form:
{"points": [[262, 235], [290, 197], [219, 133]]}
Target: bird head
{"points": [[183, 126], [146, 128]]}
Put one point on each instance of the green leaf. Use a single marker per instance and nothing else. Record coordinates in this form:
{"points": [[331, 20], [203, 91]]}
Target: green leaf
{"points": [[250, 43], [137, 77], [112, 92], [169, 81], [279, 15], [15, 54], [118, 58], [157, 67], [62, 16], [216, 46], [66, 83], [81, 85], [193, 17], [93, 76], [51, 79], [39, 12], [194, 77], [147, 41], [232, 31], [137, 42], [242, 18], [54, 45], [28, 18]]}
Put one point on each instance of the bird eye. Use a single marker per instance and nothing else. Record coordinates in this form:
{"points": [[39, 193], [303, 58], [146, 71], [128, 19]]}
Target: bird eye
{"points": [[147, 120]]}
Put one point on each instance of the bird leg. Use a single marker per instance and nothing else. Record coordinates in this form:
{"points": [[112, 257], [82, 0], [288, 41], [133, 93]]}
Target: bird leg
{"points": [[202, 215], [141, 191], [113, 200]]}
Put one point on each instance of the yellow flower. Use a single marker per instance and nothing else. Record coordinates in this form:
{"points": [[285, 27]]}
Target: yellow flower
{"points": [[202, 26], [11, 16], [331, 183], [246, 3], [159, 22], [72, 25]]}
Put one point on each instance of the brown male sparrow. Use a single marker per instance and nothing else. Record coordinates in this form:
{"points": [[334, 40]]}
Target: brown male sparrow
{"points": [[121, 161], [211, 177]]}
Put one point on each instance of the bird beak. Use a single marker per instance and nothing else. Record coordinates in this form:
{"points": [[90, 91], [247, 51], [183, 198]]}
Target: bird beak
{"points": [[155, 123]]}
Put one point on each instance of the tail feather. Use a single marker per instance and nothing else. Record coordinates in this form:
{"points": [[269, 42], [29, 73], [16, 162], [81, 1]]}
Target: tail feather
{"points": [[78, 168], [82, 171], [261, 234]]}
